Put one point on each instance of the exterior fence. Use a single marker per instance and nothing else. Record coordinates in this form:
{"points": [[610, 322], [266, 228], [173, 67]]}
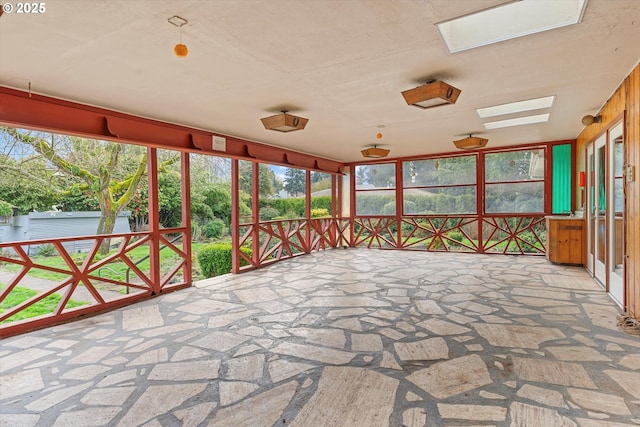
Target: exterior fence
{"points": [[66, 285]]}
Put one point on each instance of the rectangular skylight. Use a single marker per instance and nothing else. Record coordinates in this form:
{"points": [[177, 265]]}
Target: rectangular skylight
{"points": [[509, 21], [527, 120], [516, 107]]}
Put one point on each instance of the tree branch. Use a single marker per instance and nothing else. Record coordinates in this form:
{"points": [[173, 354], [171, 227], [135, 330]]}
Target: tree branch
{"points": [[133, 183], [45, 149]]}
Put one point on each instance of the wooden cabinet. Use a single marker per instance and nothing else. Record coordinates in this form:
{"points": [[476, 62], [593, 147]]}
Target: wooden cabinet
{"points": [[565, 240]]}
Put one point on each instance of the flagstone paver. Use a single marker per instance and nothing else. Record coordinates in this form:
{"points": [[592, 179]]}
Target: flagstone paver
{"points": [[343, 338]]}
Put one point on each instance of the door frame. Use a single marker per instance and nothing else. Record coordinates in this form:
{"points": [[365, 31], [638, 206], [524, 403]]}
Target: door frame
{"points": [[601, 223], [616, 282]]}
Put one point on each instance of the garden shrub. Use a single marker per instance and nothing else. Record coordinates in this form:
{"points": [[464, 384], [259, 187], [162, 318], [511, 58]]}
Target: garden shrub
{"points": [[409, 207], [268, 213], [215, 259], [373, 204], [455, 235], [5, 208], [321, 202], [435, 244], [533, 244], [47, 250], [291, 214], [214, 229], [293, 207], [389, 208], [319, 213]]}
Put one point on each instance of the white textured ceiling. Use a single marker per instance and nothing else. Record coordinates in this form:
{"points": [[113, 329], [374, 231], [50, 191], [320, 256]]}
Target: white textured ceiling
{"points": [[340, 63]]}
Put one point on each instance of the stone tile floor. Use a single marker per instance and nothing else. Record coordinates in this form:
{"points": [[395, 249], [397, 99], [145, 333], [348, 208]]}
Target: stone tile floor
{"points": [[350, 337]]}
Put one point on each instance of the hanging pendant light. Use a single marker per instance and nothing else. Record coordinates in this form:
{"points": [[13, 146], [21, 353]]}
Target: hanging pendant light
{"points": [[179, 49]]}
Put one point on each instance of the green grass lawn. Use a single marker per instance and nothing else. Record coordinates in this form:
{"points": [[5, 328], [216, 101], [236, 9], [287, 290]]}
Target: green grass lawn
{"points": [[44, 306]]}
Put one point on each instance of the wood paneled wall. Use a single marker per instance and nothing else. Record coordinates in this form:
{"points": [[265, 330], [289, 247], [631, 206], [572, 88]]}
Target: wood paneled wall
{"points": [[625, 101], [633, 193]]}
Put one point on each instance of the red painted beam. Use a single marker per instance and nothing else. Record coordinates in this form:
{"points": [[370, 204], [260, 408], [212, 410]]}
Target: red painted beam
{"points": [[33, 111]]}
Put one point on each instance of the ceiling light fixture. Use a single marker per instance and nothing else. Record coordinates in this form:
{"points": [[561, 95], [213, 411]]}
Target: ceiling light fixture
{"points": [[374, 152], [431, 94], [284, 122], [588, 120], [179, 49], [509, 21], [516, 107], [471, 143], [518, 121]]}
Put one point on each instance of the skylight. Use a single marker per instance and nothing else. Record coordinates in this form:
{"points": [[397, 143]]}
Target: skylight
{"points": [[516, 107], [527, 120], [509, 21]]}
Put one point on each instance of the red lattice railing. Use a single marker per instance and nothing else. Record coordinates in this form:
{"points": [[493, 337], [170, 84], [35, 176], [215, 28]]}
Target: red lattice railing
{"points": [[327, 233], [453, 234], [519, 235], [282, 239], [524, 235], [83, 282], [375, 232], [73, 279]]}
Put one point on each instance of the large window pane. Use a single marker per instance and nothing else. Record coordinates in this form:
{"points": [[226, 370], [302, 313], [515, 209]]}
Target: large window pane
{"points": [[514, 181], [245, 179], [525, 197], [618, 178], [285, 198], [211, 197], [320, 195], [169, 189], [369, 177], [444, 185], [440, 200], [509, 166], [439, 172], [379, 202], [375, 189]]}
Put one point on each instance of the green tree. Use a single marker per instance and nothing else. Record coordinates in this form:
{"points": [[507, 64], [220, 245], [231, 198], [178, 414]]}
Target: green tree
{"points": [[295, 181], [266, 179], [320, 181], [170, 199], [377, 175], [5, 208], [108, 172], [25, 181], [217, 197]]}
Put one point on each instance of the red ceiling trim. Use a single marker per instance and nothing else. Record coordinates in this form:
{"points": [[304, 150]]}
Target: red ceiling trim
{"points": [[267, 153], [461, 153], [34, 111], [302, 160]]}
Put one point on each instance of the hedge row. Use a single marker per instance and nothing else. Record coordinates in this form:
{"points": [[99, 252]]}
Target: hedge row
{"points": [[377, 204], [293, 207]]}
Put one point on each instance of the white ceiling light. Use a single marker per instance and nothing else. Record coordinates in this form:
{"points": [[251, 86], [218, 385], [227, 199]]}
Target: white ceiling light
{"points": [[509, 21], [527, 120], [516, 107]]}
